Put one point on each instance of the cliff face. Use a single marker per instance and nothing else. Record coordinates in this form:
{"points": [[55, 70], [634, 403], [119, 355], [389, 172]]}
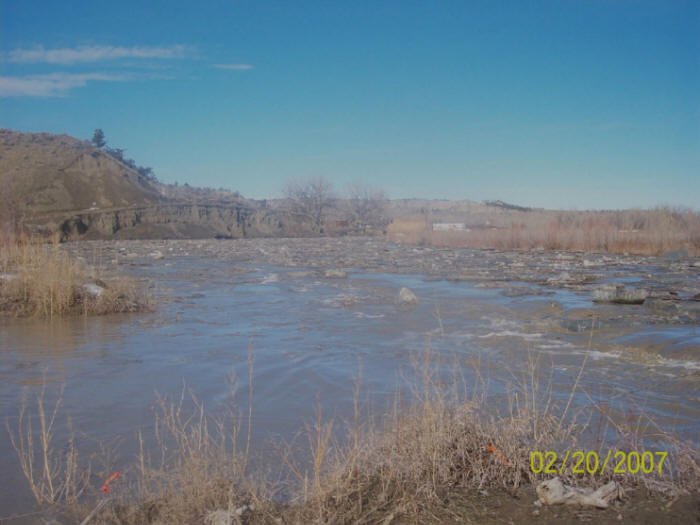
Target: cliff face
{"points": [[171, 221]]}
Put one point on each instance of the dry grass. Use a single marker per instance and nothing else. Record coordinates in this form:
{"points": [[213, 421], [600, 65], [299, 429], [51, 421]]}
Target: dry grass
{"points": [[199, 468], [446, 439], [200, 464], [38, 278], [54, 477], [641, 232], [401, 467], [451, 439]]}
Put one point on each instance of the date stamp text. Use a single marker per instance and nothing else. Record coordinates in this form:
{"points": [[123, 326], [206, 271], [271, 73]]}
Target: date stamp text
{"points": [[592, 463]]}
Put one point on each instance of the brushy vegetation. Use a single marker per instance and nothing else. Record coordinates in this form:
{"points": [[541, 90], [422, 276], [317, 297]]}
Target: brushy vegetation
{"points": [[447, 439], [38, 278], [640, 232], [53, 477]]}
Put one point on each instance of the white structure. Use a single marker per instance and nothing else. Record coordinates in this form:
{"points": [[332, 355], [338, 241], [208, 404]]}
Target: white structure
{"points": [[449, 226]]}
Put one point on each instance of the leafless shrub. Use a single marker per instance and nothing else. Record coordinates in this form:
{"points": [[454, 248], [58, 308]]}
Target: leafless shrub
{"points": [[201, 464], [309, 201], [367, 206], [52, 472], [199, 468]]}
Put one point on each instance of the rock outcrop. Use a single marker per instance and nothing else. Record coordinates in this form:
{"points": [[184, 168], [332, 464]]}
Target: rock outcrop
{"points": [[174, 221]]}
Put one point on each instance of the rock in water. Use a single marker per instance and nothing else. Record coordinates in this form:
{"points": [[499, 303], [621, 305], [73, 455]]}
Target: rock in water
{"points": [[619, 294], [563, 277], [336, 274], [661, 306], [554, 492], [407, 297]]}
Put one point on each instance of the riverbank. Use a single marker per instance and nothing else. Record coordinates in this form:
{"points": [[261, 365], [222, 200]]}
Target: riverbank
{"points": [[324, 329], [449, 454]]}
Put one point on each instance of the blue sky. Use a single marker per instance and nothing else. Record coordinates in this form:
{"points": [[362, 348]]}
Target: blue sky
{"points": [[561, 104]]}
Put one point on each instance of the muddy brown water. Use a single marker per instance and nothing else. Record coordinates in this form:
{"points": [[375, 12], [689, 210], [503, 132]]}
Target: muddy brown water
{"points": [[311, 337]]}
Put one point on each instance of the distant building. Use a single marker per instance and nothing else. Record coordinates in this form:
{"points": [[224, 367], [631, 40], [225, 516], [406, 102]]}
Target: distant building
{"points": [[449, 226]]}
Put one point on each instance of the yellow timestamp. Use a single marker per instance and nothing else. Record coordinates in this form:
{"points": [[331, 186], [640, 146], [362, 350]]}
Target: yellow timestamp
{"points": [[592, 463]]}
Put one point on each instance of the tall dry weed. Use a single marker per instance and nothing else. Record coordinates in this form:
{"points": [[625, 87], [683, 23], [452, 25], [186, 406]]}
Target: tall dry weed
{"points": [[41, 279], [641, 232], [52, 471], [449, 437], [446, 435]]}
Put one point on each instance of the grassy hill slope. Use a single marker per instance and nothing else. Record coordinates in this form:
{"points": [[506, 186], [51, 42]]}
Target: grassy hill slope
{"points": [[41, 172]]}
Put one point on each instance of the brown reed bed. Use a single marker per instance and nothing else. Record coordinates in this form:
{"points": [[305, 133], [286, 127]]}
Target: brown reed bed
{"points": [[38, 278], [639, 232]]}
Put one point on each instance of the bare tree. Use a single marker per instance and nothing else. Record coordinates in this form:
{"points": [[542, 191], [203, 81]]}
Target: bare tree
{"points": [[367, 206], [310, 199]]}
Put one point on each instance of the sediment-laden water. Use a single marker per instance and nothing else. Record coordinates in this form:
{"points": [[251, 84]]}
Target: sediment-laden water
{"points": [[311, 336]]}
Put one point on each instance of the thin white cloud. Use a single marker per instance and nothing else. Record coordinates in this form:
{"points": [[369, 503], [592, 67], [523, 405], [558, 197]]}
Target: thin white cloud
{"points": [[234, 67], [53, 84], [83, 54]]}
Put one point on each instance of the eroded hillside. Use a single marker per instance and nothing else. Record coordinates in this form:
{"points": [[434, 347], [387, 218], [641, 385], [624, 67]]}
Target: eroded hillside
{"points": [[56, 183], [41, 172]]}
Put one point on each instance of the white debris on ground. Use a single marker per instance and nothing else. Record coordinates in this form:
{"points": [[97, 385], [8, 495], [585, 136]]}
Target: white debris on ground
{"points": [[227, 517], [554, 492], [93, 290]]}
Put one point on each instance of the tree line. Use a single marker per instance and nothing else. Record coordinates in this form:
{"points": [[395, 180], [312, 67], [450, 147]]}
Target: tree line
{"points": [[313, 200]]}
